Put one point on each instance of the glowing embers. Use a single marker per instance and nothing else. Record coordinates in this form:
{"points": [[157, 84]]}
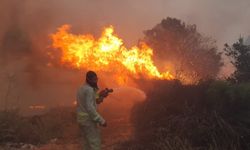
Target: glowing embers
{"points": [[37, 107]]}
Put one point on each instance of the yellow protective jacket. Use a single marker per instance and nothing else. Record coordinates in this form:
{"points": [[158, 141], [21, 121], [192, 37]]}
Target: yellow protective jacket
{"points": [[86, 106]]}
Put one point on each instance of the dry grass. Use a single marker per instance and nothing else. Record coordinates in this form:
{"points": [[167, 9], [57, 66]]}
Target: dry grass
{"points": [[37, 129]]}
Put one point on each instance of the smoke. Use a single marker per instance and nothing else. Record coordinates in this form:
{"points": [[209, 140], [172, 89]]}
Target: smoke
{"points": [[23, 72], [24, 42], [247, 41], [225, 19], [25, 26]]}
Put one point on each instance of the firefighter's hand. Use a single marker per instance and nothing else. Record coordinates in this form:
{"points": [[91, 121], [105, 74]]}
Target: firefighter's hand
{"points": [[99, 100], [104, 124]]}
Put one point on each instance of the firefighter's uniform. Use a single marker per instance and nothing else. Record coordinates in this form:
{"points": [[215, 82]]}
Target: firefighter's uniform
{"points": [[88, 117]]}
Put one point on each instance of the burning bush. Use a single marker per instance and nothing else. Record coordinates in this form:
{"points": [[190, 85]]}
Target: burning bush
{"points": [[104, 53]]}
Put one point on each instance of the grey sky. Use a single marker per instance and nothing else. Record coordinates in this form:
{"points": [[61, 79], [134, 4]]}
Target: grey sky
{"points": [[224, 20]]}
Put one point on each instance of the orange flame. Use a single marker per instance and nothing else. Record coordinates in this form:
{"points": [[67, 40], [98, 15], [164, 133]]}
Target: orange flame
{"points": [[107, 54]]}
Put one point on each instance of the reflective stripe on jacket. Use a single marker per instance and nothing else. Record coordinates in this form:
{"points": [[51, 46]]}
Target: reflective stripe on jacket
{"points": [[86, 105]]}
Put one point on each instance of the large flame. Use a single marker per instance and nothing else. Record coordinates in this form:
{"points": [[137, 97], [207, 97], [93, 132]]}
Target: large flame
{"points": [[107, 54]]}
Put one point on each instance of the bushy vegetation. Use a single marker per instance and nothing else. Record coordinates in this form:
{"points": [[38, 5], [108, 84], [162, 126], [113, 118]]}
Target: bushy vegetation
{"points": [[36, 129], [213, 115], [239, 53]]}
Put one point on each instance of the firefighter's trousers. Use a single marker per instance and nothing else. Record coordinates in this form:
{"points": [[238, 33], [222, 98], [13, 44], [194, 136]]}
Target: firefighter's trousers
{"points": [[91, 137]]}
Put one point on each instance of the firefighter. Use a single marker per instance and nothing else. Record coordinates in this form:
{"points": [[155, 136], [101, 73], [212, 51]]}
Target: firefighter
{"points": [[87, 115]]}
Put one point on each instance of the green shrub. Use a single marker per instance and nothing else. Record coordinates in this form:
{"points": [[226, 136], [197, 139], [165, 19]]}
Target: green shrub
{"points": [[212, 115]]}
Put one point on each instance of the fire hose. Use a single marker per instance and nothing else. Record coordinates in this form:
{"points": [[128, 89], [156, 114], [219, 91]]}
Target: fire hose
{"points": [[103, 94]]}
